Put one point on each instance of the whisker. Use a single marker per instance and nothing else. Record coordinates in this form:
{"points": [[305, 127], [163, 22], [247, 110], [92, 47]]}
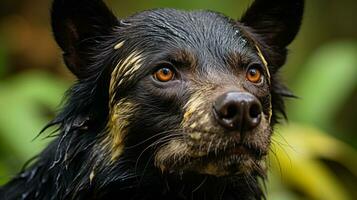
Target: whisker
{"points": [[209, 145], [200, 185], [161, 140]]}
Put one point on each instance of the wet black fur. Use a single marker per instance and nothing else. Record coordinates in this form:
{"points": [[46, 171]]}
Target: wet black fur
{"points": [[86, 31]]}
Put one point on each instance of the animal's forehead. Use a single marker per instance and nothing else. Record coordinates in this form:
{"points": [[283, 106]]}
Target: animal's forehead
{"points": [[204, 41], [185, 19], [196, 29]]}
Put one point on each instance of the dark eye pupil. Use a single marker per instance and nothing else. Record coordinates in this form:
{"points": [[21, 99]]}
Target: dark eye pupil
{"points": [[253, 72], [166, 71]]}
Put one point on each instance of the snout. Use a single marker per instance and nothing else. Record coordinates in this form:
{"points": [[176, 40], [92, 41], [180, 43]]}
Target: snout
{"points": [[239, 111]]}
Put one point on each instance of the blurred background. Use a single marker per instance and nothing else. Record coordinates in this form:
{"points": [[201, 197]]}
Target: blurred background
{"points": [[313, 155]]}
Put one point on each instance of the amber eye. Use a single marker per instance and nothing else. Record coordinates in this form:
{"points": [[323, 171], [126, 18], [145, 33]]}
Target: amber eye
{"points": [[164, 74], [254, 75]]}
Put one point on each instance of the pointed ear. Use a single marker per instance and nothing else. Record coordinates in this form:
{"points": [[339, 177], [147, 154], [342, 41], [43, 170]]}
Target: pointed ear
{"points": [[275, 21], [76, 25]]}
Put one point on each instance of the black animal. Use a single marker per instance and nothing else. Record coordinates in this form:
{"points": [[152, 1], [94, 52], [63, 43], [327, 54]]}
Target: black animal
{"points": [[169, 104]]}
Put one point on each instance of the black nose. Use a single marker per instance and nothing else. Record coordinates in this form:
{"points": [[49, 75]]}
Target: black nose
{"points": [[237, 110]]}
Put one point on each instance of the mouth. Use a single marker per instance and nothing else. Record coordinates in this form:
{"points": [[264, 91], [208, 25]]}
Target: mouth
{"points": [[230, 161], [213, 147], [232, 155], [241, 150], [234, 159], [214, 154]]}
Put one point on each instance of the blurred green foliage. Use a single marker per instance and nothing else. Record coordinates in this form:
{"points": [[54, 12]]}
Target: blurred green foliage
{"points": [[302, 158], [28, 102], [325, 83], [313, 155], [307, 160]]}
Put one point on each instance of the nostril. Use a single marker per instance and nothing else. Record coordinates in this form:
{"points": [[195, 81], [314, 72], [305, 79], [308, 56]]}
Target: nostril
{"points": [[254, 111], [232, 111]]}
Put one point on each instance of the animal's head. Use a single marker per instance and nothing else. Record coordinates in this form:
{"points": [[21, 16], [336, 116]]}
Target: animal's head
{"points": [[176, 91]]}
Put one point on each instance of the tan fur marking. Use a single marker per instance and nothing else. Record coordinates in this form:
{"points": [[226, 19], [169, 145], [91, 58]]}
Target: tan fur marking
{"points": [[207, 128], [200, 113], [112, 83], [122, 111], [187, 115], [91, 176], [130, 60], [195, 135], [119, 45], [136, 65], [191, 106], [118, 123], [206, 119], [260, 54], [134, 61], [171, 152], [194, 125], [270, 110], [162, 168]]}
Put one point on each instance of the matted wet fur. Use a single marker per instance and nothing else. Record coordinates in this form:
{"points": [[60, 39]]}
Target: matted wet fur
{"points": [[157, 111]]}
